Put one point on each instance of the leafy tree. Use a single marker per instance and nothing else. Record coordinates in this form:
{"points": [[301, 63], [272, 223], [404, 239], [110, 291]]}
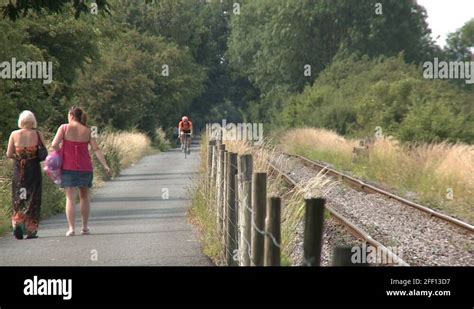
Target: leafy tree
{"points": [[126, 89], [460, 44], [353, 96], [200, 27], [436, 122], [273, 43], [248, 66], [16, 9], [20, 94]]}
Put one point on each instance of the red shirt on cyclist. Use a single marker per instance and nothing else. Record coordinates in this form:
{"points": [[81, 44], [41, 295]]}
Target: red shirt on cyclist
{"points": [[185, 126]]}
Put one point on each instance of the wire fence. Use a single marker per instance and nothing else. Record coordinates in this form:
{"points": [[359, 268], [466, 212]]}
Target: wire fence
{"points": [[249, 222]]}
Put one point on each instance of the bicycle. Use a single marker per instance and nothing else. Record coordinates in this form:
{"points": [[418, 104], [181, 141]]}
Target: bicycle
{"points": [[187, 151]]}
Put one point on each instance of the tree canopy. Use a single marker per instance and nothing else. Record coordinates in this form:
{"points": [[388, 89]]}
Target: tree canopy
{"points": [[341, 64]]}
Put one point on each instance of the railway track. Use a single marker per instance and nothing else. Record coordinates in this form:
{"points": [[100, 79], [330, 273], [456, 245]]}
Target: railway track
{"points": [[368, 188], [361, 186], [352, 228]]}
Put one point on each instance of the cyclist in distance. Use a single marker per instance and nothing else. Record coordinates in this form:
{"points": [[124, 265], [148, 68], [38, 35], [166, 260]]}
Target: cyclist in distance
{"points": [[185, 126]]}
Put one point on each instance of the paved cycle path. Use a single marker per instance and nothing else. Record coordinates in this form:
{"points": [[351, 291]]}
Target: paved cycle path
{"points": [[132, 223]]}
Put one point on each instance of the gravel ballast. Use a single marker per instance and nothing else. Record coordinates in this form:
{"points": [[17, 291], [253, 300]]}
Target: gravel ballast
{"points": [[420, 240]]}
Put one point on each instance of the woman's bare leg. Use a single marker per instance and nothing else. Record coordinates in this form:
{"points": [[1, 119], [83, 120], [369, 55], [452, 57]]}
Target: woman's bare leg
{"points": [[85, 207], [70, 201]]}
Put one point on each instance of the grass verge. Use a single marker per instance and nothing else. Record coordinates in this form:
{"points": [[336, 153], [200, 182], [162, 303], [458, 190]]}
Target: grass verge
{"points": [[202, 213]]}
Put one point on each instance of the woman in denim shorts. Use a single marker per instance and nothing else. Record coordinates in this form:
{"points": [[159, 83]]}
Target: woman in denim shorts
{"points": [[77, 171]]}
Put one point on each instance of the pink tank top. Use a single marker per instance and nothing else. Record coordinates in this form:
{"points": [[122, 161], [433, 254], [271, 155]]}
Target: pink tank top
{"points": [[76, 155]]}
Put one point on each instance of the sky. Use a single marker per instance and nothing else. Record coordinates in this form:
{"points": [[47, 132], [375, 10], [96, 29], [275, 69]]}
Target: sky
{"points": [[446, 16]]}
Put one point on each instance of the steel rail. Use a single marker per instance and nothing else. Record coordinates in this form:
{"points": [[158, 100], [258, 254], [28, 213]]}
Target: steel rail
{"points": [[360, 185], [353, 229]]}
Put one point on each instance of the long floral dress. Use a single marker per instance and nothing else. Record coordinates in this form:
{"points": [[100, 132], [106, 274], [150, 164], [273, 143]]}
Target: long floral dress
{"points": [[26, 190]]}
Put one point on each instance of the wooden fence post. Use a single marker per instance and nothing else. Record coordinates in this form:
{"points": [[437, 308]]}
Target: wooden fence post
{"points": [[313, 231], [259, 200], [224, 203], [245, 167], [272, 232], [214, 156], [208, 187], [231, 210], [220, 186], [209, 157]]}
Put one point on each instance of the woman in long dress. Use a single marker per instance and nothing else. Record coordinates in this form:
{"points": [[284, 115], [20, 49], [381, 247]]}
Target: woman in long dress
{"points": [[27, 179]]}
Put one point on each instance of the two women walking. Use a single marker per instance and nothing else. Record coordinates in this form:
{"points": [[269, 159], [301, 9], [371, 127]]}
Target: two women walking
{"points": [[72, 141]]}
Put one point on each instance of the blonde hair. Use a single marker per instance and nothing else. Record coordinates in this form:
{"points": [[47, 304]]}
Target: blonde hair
{"points": [[26, 117]]}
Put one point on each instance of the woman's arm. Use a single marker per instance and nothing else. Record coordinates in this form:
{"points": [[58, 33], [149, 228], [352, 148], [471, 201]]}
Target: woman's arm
{"points": [[99, 154], [57, 139], [41, 138], [11, 147]]}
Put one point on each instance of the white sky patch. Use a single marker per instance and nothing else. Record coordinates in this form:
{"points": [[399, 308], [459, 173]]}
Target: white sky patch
{"points": [[446, 16]]}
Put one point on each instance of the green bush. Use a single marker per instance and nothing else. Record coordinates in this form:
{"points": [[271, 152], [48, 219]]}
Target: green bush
{"points": [[354, 95], [160, 141], [53, 199], [112, 156], [5, 194]]}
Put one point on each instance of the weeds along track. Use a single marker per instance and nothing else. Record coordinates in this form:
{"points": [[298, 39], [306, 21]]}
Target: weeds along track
{"points": [[382, 219]]}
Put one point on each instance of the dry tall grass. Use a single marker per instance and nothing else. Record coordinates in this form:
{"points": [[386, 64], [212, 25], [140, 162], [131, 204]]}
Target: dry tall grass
{"points": [[260, 155], [132, 146], [438, 175], [318, 137]]}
